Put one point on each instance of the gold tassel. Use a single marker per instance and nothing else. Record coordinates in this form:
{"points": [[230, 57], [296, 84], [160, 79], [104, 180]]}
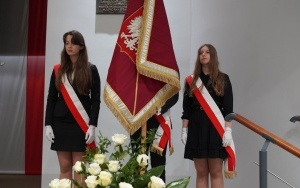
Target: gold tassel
{"points": [[230, 174], [171, 150], [156, 149]]}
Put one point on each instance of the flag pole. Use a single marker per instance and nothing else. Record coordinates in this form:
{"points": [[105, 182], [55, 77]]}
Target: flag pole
{"points": [[143, 141]]}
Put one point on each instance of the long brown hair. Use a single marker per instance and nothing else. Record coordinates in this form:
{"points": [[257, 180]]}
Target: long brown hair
{"points": [[81, 69], [216, 77]]}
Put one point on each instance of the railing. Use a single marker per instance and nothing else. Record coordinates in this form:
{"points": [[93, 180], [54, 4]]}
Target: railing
{"points": [[270, 137], [295, 118]]}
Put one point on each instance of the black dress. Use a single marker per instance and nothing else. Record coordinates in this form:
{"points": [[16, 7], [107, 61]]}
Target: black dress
{"points": [[203, 140], [68, 134], [152, 123]]}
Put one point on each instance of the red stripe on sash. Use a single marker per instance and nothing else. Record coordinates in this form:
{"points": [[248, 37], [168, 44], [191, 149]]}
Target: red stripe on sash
{"points": [[167, 132], [215, 122]]}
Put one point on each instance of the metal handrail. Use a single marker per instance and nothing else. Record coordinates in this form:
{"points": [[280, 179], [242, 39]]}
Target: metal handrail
{"points": [[270, 137], [264, 133], [295, 118]]}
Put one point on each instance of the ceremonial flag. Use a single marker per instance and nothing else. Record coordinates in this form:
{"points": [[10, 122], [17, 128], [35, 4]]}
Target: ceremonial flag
{"points": [[143, 73]]}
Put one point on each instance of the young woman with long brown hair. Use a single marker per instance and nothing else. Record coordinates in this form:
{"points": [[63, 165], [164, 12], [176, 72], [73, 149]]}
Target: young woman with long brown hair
{"points": [[207, 92], [73, 104]]}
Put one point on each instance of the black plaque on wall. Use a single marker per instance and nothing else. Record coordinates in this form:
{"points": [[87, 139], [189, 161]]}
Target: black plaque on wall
{"points": [[111, 6]]}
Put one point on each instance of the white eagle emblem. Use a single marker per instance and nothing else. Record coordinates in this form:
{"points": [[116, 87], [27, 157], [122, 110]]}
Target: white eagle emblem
{"points": [[131, 40]]}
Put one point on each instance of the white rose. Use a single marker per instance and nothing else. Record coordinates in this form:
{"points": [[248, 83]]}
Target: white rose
{"points": [[91, 181], [119, 139], [114, 166], [99, 158], [54, 183], [105, 178], [125, 185], [65, 183], [142, 160], [77, 167], [156, 183], [94, 169]]}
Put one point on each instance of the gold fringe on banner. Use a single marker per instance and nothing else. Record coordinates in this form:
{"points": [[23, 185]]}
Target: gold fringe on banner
{"points": [[159, 151], [131, 122]]}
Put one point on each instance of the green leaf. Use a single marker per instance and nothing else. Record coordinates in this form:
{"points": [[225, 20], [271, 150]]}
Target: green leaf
{"points": [[181, 183], [77, 184], [123, 154], [143, 179], [129, 171]]}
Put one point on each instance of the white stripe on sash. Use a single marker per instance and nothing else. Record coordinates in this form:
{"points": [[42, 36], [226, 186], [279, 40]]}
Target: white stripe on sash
{"points": [[75, 100], [212, 104]]}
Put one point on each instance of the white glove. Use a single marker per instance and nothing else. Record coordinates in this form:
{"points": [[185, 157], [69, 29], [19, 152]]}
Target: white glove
{"points": [[167, 117], [184, 135], [158, 112], [90, 134], [49, 133], [227, 137]]}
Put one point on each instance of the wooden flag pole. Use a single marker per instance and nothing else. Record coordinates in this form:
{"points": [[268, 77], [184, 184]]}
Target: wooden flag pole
{"points": [[143, 141], [144, 135]]}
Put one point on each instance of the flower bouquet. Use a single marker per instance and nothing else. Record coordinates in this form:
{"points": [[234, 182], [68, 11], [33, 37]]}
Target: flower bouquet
{"points": [[126, 167]]}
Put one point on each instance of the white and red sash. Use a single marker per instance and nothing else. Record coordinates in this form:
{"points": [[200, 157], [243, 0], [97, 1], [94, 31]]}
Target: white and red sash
{"points": [[217, 119], [74, 104], [163, 134]]}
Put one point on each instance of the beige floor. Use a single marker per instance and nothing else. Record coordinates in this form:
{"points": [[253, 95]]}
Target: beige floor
{"points": [[20, 181]]}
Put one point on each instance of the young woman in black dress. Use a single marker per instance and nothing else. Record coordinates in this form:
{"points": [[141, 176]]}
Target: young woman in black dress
{"points": [[203, 143], [68, 135]]}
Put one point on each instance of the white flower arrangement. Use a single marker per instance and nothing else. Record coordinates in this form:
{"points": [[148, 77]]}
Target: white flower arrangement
{"points": [[63, 183], [99, 171]]}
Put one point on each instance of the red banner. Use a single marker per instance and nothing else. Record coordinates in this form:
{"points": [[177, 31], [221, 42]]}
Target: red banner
{"points": [[143, 73]]}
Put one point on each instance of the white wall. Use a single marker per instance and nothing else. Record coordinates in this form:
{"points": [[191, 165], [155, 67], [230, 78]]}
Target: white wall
{"points": [[258, 46]]}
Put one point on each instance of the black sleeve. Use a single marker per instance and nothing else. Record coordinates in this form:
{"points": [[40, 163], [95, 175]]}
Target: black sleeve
{"points": [[187, 102], [51, 100], [169, 103], [95, 96], [228, 97]]}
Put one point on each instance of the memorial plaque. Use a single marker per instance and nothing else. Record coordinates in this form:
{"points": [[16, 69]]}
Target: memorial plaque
{"points": [[111, 6]]}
